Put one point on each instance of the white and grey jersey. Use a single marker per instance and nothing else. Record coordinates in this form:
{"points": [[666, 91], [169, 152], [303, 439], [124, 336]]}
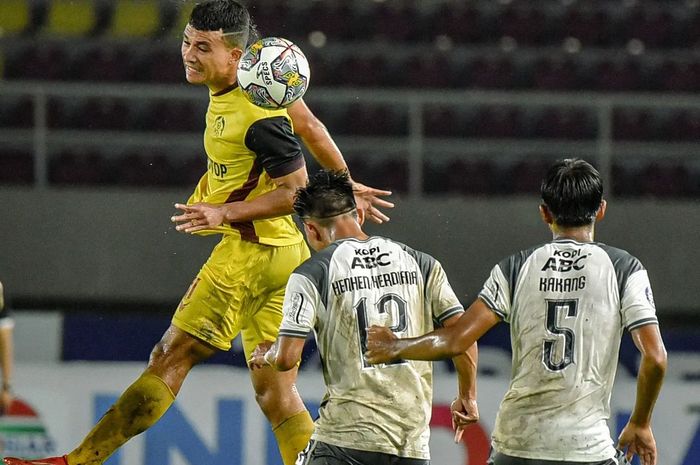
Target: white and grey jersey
{"points": [[339, 293], [567, 304]]}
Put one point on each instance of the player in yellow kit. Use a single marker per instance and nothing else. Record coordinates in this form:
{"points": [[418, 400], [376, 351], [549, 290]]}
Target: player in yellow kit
{"points": [[254, 167]]}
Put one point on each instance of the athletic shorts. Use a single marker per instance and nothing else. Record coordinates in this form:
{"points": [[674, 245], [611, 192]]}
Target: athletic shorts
{"points": [[497, 458], [240, 289], [321, 453]]}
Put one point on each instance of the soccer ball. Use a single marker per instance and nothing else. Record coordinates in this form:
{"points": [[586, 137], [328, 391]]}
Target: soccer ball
{"points": [[273, 73]]}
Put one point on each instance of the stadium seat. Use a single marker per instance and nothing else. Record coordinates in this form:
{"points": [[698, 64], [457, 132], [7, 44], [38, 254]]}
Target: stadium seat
{"points": [[489, 73], [559, 123], [631, 124], [15, 17], [135, 18], [555, 74], [680, 76], [460, 22], [16, 112], [442, 121], [497, 122], [70, 18], [143, 169], [517, 22], [664, 180], [104, 64], [38, 61], [79, 167], [16, 166]]}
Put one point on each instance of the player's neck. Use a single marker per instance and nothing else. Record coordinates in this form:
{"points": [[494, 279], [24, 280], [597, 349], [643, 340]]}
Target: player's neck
{"points": [[349, 228], [578, 234]]}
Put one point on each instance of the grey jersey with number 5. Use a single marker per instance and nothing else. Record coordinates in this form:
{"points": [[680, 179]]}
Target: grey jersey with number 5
{"points": [[338, 294], [567, 304]]}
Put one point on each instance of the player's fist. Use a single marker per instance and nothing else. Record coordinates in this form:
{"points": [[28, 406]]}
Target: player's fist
{"points": [[381, 345]]}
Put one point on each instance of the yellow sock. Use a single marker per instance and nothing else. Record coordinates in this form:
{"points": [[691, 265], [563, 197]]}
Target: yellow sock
{"points": [[138, 408], [293, 435]]}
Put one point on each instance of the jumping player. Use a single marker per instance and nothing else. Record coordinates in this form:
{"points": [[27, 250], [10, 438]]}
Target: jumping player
{"points": [[255, 165]]}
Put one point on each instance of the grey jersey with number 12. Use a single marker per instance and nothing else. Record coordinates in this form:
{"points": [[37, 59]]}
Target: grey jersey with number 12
{"points": [[340, 292], [567, 304]]}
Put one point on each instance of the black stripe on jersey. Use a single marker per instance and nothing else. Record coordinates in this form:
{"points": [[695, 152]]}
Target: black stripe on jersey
{"points": [[492, 305], [456, 310], [292, 333], [624, 263], [425, 262], [511, 266], [246, 228], [642, 322], [273, 142], [315, 270]]}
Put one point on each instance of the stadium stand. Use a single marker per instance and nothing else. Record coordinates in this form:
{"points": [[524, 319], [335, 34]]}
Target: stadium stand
{"points": [[606, 46]]}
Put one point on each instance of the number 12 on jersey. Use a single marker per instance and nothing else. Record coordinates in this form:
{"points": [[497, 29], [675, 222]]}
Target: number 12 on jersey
{"points": [[383, 306]]}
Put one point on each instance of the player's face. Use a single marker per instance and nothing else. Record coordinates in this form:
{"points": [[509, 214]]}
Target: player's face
{"points": [[208, 59]]}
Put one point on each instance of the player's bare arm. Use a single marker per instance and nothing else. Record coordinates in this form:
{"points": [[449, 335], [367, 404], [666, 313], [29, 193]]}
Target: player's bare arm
{"points": [[321, 145], [201, 216], [636, 437], [283, 355], [383, 346], [464, 408]]}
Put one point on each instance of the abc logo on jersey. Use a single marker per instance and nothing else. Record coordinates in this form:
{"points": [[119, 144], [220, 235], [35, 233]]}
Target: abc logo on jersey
{"points": [[369, 258], [566, 260]]}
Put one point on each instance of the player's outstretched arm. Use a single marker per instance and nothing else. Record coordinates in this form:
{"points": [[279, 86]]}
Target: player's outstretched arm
{"points": [[383, 346], [636, 437], [316, 137], [278, 202]]}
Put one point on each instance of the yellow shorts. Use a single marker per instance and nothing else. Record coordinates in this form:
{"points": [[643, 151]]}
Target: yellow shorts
{"points": [[240, 289]]}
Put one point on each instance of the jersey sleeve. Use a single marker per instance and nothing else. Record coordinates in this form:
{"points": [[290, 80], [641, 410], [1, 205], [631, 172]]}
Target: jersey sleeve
{"points": [[273, 141], [301, 301], [443, 300], [496, 293], [637, 302]]}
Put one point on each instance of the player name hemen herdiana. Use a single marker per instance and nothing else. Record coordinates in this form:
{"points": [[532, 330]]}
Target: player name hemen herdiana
{"points": [[394, 278]]}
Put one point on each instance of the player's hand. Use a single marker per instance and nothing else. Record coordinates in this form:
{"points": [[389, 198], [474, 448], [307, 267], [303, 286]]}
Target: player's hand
{"points": [[368, 199], [638, 440], [257, 358], [381, 345], [198, 217], [464, 413]]}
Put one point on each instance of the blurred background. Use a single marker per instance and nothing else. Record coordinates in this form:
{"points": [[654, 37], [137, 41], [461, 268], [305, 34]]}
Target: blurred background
{"points": [[456, 106]]}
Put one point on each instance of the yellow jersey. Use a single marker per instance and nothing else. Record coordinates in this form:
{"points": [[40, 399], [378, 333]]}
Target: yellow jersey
{"points": [[247, 147]]}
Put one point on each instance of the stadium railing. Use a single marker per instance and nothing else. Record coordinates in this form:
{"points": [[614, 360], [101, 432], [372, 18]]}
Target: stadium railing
{"points": [[411, 143]]}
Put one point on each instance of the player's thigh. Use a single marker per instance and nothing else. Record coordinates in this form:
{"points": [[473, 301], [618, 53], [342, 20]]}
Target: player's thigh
{"points": [[263, 320], [212, 309]]}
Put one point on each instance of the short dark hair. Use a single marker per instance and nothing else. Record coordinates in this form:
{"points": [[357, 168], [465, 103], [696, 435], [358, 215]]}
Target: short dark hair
{"points": [[228, 15], [327, 194], [572, 191]]}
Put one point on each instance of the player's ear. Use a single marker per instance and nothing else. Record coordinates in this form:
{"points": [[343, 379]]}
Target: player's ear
{"points": [[600, 214], [360, 216], [312, 232], [546, 214], [235, 55]]}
